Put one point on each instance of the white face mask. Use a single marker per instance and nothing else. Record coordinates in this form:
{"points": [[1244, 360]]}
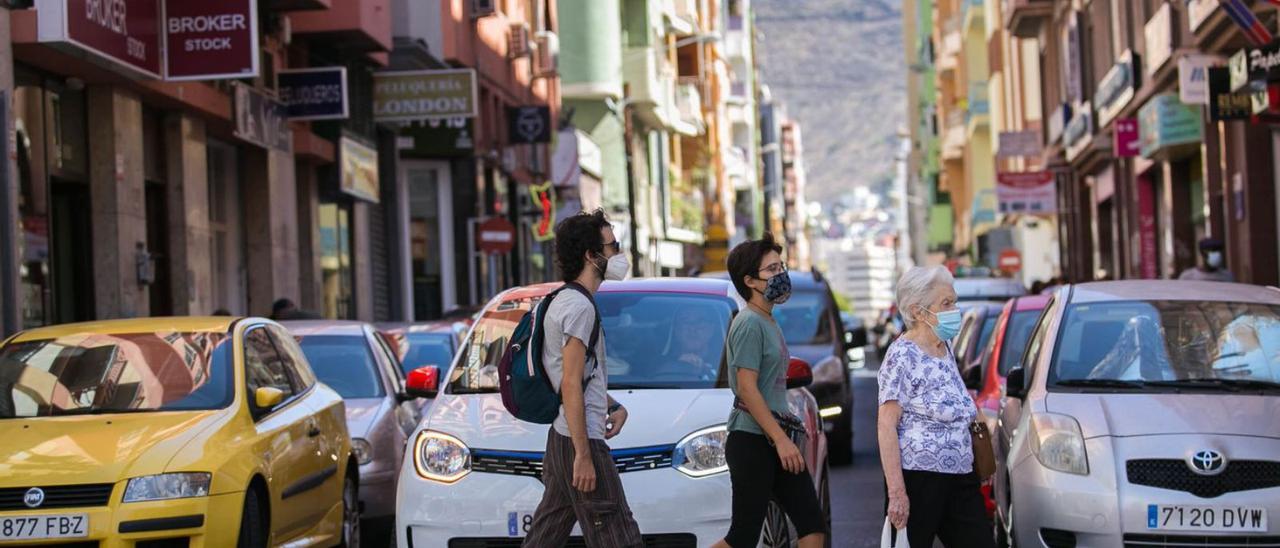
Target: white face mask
{"points": [[618, 268], [1214, 259]]}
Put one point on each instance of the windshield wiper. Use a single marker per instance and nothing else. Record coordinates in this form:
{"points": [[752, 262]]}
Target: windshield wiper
{"points": [[1230, 385], [98, 411], [1101, 383]]}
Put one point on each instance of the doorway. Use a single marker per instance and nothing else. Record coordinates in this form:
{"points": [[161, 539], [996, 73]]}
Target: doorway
{"points": [[158, 245], [431, 238], [72, 251]]}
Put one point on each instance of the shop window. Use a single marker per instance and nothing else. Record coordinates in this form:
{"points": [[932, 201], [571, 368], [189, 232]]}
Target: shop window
{"points": [[335, 260], [55, 239]]}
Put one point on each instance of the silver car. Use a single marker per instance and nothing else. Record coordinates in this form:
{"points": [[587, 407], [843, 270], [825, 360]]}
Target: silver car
{"points": [[1144, 413], [381, 412]]}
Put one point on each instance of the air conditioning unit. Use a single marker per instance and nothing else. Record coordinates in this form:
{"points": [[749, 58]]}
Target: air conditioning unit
{"points": [[547, 57], [483, 8], [518, 41]]}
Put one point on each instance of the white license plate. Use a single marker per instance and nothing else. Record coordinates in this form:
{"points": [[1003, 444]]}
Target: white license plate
{"points": [[519, 523], [1181, 517], [42, 527]]}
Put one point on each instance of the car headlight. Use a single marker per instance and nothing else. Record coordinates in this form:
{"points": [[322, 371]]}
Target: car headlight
{"points": [[363, 451], [702, 453], [441, 457], [828, 371], [1058, 444], [179, 485]]}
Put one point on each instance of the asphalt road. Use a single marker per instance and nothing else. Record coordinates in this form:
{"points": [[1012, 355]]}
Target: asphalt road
{"points": [[857, 491]]}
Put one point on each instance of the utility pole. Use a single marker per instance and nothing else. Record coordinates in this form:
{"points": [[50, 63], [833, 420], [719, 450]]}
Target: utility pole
{"points": [[631, 181]]}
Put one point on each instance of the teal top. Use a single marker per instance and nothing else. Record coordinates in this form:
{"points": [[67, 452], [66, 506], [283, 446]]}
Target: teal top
{"points": [[755, 342]]}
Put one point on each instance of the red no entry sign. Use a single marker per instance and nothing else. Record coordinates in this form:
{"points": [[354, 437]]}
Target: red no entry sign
{"points": [[496, 236]]}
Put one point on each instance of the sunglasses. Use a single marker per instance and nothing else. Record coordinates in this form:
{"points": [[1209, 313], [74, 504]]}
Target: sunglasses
{"points": [[616, 245]]}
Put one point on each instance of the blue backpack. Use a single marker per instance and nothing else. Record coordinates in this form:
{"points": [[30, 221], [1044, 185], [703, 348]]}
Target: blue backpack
{"points": [[527, 391]]}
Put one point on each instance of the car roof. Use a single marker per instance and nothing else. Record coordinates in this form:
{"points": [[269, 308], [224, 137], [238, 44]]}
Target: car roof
{"points": [[1030, 302], [699, 286], [990, 307], [415, 327], [176, 324], [989, 287], [324, 327], [799, 278], [1173, 290]]}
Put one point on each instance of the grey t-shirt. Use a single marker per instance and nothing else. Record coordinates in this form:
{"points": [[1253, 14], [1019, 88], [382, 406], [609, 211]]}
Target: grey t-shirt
{"points": [[755, 342], [571, 315]]}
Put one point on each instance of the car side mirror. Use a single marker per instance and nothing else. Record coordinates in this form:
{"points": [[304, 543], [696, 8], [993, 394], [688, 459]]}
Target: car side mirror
{"points": [[799, 374], [423, 382], [266, 398], [1015, 385]]}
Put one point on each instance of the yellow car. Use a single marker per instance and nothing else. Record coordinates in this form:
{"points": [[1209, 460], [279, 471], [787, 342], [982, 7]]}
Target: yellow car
{"points": [[170, 432]]}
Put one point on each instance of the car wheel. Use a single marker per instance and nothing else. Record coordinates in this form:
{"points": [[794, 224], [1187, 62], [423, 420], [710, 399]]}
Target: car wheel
{"points": [[840, 441], [253, 521], [777, 531], [350, 513], [824, 492]]}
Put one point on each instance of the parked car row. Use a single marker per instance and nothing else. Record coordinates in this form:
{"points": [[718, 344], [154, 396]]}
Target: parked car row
{"points": [[199, 431], [1135, 414]]}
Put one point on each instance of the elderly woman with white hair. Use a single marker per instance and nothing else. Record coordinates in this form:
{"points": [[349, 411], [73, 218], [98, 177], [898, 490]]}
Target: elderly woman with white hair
{"points": [[925, 412]]}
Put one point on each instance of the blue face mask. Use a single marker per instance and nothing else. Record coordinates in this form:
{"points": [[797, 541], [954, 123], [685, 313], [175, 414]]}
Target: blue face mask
{"points": [[948, 324]]}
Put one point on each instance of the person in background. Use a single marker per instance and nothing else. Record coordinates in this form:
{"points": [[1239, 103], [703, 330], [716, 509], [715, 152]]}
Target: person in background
{"points": [[221, 312], [1212, 264], [1036, 287], [923, 424], [285, 309]]}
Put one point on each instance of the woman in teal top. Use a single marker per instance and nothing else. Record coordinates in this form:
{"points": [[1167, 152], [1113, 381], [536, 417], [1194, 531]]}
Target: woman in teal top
{"points": [[764, 464]]}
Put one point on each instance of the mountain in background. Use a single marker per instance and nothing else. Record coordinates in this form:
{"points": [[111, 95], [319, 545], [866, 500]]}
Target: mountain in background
{"points": [[838, 66]]}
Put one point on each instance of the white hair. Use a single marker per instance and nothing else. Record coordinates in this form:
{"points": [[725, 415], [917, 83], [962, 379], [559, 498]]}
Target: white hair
{"points": [[915, 289]]}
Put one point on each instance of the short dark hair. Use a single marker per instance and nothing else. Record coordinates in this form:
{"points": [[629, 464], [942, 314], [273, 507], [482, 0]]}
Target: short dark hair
{"points": [[282, 304], [745, 259], [576, 236]]}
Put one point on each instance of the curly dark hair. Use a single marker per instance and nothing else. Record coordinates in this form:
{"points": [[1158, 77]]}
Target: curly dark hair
{"points": [[744, 260], [576, 236]]}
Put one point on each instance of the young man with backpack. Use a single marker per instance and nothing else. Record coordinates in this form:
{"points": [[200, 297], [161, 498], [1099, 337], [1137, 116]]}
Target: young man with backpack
{"points": [[581, 481]]}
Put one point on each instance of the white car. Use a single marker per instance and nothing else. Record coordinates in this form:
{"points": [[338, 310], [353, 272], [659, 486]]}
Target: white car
{"points": [[472, 476]]}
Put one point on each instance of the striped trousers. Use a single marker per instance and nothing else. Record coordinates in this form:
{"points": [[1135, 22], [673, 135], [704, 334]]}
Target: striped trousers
{"points": [[604, 515]]}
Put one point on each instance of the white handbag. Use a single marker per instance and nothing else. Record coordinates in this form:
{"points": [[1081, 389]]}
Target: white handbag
{"points": [[887, 537]]}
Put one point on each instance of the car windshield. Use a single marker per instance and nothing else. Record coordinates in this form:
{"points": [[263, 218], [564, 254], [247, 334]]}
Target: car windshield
{"points": [[423, 349], [652, 341], [1185, 344], [344, 363], [92, 373], [804, 318], [1016, 335]]}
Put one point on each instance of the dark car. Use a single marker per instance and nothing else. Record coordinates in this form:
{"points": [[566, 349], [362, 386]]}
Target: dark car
{"points": [[975, 331], [423, 344], [814, 332]]}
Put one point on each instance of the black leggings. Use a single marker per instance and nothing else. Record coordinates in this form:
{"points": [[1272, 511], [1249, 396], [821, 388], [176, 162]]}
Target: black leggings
{"points": [[946, 506], [758, 477]]}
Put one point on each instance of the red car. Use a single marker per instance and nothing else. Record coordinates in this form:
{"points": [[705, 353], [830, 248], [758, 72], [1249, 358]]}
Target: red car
{"points": [[1013, 330]]}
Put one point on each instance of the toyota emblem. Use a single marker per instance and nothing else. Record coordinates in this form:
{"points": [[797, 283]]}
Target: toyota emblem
{"points": [[1208, 462], [34, 497]]}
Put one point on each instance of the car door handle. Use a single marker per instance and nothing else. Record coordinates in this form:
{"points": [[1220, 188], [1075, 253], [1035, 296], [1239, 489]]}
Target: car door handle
{"points": [[313, 432]]}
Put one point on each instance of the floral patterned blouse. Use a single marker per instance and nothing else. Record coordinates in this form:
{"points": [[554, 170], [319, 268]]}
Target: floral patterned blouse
{"points": [[933, 433]]}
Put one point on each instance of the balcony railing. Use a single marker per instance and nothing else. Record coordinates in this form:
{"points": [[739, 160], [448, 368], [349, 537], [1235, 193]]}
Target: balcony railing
{"points": [[689, 104], [979, 104]]}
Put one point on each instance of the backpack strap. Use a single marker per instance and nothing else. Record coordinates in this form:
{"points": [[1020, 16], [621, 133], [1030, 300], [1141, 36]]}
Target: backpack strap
{"points": [[595, 332]]}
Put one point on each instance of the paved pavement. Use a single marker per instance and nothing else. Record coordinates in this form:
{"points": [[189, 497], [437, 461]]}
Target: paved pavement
{"points": [[857, 491]]}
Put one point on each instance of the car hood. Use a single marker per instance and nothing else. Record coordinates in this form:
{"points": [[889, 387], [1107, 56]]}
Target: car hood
{"points": [[654, 417], [94, 449], [1157, 414], [362, 413]]}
